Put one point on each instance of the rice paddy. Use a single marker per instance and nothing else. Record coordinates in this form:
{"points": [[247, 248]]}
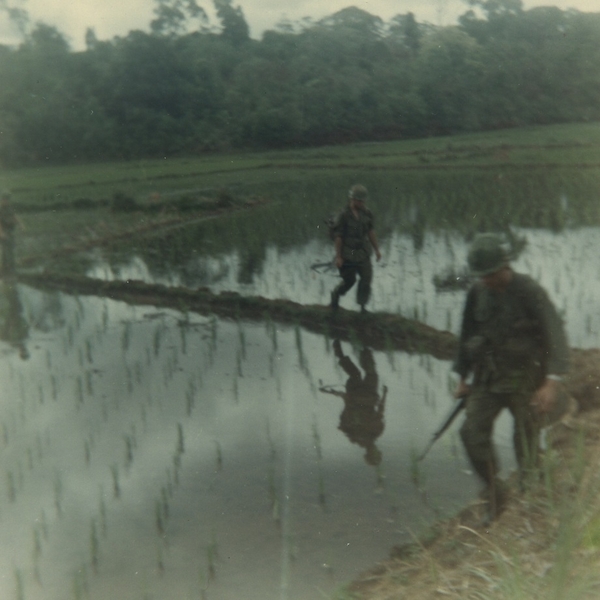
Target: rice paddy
{"points": [[158, 453]]}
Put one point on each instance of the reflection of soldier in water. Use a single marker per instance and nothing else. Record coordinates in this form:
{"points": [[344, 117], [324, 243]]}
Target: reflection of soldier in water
{"points": [[14, 328], [362, 417]]}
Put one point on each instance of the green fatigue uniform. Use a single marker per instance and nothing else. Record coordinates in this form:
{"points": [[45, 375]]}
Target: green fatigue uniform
{"points": [[356, 253], [510, 340], [8, 223]]}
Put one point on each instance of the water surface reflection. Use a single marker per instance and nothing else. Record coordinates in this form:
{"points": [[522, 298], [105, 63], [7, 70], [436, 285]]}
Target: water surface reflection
{"points": [[152, 454]]}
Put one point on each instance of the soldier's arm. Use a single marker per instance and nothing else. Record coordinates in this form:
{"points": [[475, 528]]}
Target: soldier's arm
{"points": [[557, 352], [373, 240], [555, 339]]}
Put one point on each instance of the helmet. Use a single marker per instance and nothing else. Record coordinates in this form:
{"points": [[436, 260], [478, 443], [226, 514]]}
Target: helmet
{"points": [[358, 192], [488, 254]]}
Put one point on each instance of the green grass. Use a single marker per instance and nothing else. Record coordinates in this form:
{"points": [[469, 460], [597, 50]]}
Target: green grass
{"points": [[566, 145]]}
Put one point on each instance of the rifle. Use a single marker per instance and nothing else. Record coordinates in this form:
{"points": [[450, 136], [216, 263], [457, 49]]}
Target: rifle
{"points": [[322, 267], [460, 404]]}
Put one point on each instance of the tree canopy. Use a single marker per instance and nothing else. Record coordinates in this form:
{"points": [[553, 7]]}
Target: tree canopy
{"points": [[187, 87]]}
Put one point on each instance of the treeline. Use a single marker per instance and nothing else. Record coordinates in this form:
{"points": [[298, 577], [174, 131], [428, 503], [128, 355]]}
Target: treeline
{"points": [[349, 77]]}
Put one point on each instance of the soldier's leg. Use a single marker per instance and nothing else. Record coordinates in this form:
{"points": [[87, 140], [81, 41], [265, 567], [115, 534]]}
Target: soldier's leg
{"points": [[350, 369], [476, 433], [526, 434], [348, 275], [363, 292]]}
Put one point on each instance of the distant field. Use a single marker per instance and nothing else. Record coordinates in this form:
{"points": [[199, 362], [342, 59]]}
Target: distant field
{"points": [[569, 146]]}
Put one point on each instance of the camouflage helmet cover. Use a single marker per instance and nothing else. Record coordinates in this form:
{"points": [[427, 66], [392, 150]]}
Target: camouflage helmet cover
{"points": [[488, 254], [358, 192]]}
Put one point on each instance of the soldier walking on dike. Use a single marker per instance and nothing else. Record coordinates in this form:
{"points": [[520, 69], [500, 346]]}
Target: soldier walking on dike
{"points": [[8, 223], [354, 236], [513, 351]]}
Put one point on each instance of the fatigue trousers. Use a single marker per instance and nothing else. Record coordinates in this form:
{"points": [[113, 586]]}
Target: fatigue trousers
{"points": [[482, 409], [348, 272]]}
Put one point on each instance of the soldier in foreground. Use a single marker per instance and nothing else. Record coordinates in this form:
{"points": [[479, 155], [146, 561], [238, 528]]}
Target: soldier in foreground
{"points": [[513, 352], [354, 236]]}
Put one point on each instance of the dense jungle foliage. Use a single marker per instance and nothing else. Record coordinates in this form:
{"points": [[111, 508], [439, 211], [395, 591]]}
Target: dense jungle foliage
{"points": [[348, 77]]}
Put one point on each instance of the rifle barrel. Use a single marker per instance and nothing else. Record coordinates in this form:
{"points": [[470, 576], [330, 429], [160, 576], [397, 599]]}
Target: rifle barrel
{"points": [[458, 406]]}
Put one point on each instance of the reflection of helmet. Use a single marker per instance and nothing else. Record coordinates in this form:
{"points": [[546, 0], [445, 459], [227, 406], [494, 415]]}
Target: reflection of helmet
{"points": [[487, 254], [358, 192]]}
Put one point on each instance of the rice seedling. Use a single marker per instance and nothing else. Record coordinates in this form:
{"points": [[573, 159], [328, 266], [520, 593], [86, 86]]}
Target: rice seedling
{"points": [[416, 474], [37, 543], [236, 390], [180, 439], [19, 585], [87, 452], [79, 396], [94, 546], [114, 471], [80, 584], [299, 349], [128, 450], [88, 352], [242, 337], [89, 384], [316, 436], [103, 516], [219, 456], [238, 362], [11, 488], [159, 520], [54, 387]]}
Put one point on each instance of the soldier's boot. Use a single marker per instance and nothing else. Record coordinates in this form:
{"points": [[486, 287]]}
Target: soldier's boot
{"points": [[363, 310], [495, 496]]}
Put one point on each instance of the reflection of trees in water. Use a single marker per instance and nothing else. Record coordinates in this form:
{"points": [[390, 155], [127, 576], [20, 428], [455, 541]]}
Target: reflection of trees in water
{"points": [[362, 419]]}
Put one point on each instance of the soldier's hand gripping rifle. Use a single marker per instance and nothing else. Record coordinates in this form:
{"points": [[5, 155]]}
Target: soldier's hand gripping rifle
{"points": [[439, 432]]}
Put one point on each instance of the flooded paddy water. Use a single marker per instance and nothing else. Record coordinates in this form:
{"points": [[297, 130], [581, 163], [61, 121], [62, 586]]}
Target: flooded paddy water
{"points": [[155, 454], [146, 455]]}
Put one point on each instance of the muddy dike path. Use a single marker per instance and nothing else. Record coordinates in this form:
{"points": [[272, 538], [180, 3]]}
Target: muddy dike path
{"points": [[546, 543]]}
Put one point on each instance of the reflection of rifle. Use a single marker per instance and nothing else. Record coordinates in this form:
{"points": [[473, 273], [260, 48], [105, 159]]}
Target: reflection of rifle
{"points": [[329, 389], [460, 404]]}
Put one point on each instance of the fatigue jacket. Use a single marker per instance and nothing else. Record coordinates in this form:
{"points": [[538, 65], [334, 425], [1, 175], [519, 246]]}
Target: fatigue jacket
{"points": [[356, 247], [511, 338]]}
